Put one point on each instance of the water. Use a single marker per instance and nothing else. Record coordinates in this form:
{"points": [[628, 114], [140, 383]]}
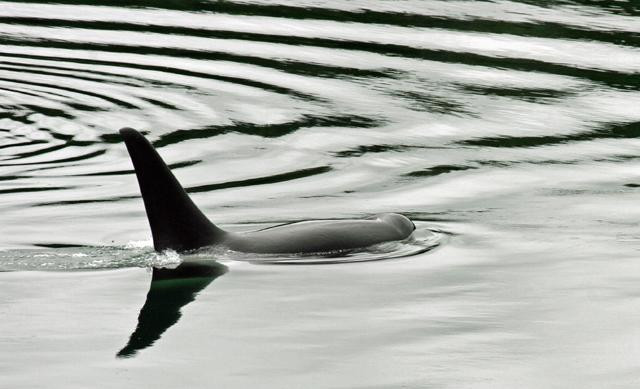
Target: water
{"points": [[507, 130]]}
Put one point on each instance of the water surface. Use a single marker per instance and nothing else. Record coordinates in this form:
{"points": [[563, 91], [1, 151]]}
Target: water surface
{"points": [[508, 130]]}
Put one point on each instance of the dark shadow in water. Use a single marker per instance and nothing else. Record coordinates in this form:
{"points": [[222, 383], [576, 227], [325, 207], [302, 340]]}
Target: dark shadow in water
{"points": [[170, 290], [264, 180], [271, 130], [438, 170], [608, 131]]}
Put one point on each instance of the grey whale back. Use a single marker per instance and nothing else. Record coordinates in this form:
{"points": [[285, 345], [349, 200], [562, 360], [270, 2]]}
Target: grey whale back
{"points": [[177, 223]]}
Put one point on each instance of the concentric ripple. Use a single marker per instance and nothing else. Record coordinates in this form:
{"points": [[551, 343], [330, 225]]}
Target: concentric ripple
{"points": [[276, 111]]}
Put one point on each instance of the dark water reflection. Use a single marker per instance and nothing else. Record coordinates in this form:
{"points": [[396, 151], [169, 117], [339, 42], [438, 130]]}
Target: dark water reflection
{"points": [[169, 292]]}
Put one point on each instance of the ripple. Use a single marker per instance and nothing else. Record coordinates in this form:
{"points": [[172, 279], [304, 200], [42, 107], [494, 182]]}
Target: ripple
{"points": [[277, 111], [614, 130]]}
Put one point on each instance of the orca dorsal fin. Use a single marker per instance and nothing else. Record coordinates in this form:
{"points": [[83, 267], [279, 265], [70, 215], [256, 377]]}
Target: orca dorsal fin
{"points": [[176, 222]]}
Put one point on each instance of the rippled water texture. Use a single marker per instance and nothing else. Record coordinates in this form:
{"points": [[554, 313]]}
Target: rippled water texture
{"points": [[508, 130]]}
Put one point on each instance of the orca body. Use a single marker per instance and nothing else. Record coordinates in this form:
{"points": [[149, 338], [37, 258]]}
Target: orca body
{"points": [[177, 223]]}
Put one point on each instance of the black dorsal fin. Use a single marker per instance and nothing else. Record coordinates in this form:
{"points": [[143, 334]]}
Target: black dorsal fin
{"points": [[176, 222]]}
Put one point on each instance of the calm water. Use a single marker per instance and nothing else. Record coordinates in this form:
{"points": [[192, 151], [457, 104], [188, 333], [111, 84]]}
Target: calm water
{"points": [[509, 131]]}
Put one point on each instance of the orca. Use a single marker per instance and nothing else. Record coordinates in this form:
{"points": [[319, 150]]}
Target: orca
{"points": [[177, 223]]}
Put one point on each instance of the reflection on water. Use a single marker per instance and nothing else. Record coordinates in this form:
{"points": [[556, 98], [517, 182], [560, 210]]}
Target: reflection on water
{"points": [[170, 290]]}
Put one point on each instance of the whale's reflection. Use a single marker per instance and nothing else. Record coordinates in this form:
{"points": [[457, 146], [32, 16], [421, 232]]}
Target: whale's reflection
{"points": [[170, 290]]}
